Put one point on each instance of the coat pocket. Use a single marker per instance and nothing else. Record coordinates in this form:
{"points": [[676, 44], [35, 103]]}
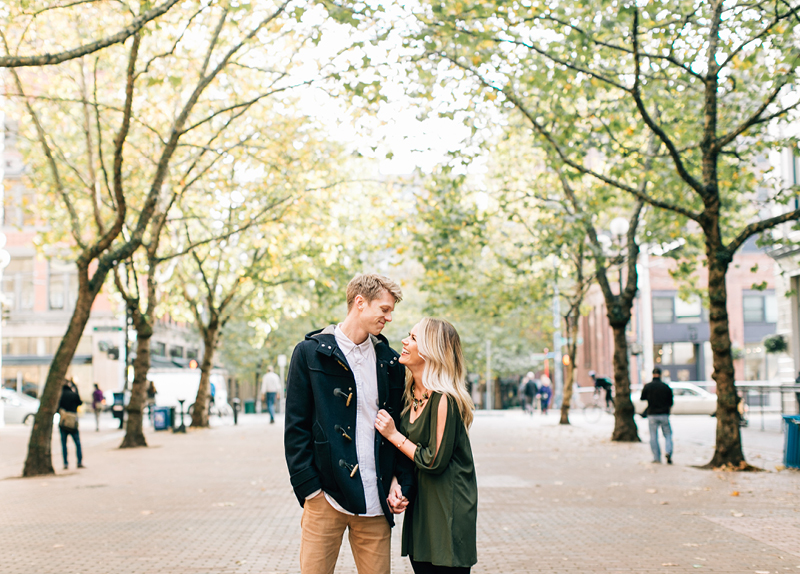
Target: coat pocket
{"points": [[322, 457]]}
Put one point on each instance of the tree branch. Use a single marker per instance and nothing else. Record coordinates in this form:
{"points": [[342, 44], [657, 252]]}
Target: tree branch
{"points": [[49, 59], [757, 227], [662, 135]]}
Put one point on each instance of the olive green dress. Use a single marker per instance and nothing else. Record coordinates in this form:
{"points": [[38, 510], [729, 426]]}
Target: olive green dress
{"points": [[440, 522]]}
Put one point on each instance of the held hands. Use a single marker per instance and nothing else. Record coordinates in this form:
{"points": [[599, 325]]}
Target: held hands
{"points": [[385, 425], [396, 500]]}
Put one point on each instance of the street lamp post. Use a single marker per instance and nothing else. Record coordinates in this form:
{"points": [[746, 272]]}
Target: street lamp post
{"points": [[558, 382]]}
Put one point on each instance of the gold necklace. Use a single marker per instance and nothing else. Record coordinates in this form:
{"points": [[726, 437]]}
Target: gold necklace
{"points": [[418, 402]]}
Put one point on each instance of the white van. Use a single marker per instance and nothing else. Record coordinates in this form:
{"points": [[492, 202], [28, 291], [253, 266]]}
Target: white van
{"points": [[174, 384]]}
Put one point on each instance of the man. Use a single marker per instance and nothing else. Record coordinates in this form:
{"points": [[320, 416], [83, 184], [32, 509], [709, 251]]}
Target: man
{"points": [[342, 470], [531, 389], [658, 396], [602, 383], [270, 385], [68, 423]]}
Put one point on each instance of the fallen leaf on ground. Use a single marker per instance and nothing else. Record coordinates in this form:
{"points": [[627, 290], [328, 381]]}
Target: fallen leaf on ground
{"points": [[691, 545], [669, 564], [664, 503], [734, 494], [737, 514], [241, 562], [652, 490]]}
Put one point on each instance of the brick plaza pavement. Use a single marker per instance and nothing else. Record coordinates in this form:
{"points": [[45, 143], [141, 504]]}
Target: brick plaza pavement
{"points": [[551, 499]]}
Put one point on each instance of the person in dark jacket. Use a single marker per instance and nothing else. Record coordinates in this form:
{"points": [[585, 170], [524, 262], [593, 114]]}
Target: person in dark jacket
{"points": [[658, 396], [344, 474], [68, 424]]}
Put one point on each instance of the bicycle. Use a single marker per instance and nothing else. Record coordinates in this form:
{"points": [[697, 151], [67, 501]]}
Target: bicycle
{"points": [[593, 411]]}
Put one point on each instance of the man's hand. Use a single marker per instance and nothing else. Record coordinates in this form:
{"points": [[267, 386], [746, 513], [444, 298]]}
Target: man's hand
{"points": [[396, 500]]}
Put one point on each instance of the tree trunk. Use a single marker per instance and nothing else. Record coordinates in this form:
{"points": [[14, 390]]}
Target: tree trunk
{"points": [[624, 425], [39, 460], [134, 432], [569, 375], [565, 404], [200, 410], [728, 450]]}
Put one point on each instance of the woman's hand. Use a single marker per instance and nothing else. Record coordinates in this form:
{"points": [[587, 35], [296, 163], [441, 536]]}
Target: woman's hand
{"points": [[396, 500], [385, 426]]}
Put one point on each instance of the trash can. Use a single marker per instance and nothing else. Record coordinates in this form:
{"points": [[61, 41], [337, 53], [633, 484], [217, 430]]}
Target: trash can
{"points": [[249, 406], [161, 418], [791, 451]]}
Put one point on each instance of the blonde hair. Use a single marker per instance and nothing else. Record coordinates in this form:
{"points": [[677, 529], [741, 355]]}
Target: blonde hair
{"points": [[370, 286], [445, 369]]}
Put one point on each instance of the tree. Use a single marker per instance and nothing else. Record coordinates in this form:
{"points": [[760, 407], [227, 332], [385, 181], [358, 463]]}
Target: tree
{"points": [[29, 30], [708, 81], [113, 203]]}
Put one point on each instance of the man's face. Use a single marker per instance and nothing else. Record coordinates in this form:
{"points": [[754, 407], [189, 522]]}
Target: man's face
{"points": [[375, 314]]}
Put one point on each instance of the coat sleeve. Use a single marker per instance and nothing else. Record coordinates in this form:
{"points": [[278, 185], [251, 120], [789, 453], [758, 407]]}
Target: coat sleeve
{"points": [[298, 439], [427, 458]]}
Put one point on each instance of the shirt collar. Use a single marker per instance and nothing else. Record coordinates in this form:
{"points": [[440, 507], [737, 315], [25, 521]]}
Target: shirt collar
{"points": [[347, 346]]}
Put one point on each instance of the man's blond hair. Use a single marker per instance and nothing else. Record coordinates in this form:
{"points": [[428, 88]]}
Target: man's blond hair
{"points": [[370, 287]]}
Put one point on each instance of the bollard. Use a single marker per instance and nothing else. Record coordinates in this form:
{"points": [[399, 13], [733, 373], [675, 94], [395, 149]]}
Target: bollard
{"points": [[181, 428], [236, 403]]}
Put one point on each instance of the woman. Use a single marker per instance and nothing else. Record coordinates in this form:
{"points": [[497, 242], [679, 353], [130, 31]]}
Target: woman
{"points": [[439, 531]]}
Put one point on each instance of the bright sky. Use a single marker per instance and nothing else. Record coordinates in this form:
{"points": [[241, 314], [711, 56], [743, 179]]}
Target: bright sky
{"points": [[396, 135]]}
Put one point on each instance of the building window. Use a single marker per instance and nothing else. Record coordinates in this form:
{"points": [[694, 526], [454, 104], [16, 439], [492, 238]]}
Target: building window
{"points": [[175, 351], [678, 353], [18, 284], [760, 308], [158, 348], [690, 311], [62, 285], [191, 353], [663, 309]]}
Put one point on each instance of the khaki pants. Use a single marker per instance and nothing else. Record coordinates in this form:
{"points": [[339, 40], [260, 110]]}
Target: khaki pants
{"points": [[322, 531]]}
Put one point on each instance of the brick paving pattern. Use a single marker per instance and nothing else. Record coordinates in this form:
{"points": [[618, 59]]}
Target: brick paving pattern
{"points": [[552, 499]]}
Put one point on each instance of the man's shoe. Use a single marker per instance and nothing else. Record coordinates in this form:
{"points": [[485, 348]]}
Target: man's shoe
{"points": [[66, 466], [669, 458], [81, 466], [656, 461]]}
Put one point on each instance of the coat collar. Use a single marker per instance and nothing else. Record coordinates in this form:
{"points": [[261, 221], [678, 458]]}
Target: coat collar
{"points": [[326, 343]]}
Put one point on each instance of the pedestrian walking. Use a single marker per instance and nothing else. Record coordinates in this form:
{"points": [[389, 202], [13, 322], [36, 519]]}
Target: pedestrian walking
{"points": [[98, 401], [545, 392], [68, 421], [439, 528], [658, 396], [270, 386], [531, 389], [341, 470]]}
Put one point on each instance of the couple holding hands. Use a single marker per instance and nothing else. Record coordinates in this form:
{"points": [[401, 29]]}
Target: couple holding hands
{"points": [[371, 433]]}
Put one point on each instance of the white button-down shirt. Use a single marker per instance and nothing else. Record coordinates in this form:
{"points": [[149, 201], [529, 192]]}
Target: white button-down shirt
{"points": [[362, 361]]}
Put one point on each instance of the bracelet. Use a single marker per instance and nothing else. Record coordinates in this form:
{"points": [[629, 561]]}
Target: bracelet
{"points": [[399, 445]]}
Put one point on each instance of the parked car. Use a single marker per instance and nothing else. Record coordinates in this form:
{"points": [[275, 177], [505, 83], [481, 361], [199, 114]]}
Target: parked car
{"points": [[689, 399], [18, 407]]}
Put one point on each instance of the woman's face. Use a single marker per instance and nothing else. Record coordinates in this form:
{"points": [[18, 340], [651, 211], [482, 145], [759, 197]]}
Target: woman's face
{"points": [[410, 356]]}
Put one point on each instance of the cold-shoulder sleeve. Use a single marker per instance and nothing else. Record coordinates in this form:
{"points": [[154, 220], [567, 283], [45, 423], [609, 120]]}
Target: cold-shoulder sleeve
{"points": [[427, 458]]}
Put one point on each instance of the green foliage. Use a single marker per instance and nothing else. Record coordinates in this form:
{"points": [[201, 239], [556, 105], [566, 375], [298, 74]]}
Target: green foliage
{"points": [[775, 344]]}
